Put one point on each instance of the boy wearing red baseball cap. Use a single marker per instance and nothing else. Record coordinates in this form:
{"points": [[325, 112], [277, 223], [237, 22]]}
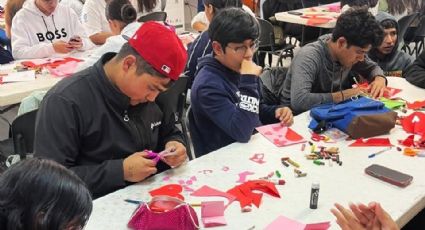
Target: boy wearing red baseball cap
{"points": [[99, 121]]}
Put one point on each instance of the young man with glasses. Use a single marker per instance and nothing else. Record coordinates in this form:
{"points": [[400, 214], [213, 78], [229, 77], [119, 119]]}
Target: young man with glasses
{"points": [[320, 72], [225, 98]]}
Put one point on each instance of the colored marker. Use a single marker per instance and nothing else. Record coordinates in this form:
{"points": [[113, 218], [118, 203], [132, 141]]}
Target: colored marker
{"points": [[293, 163], [317, 162], [278, 174], [379, 152], [277, 181], [284, 163]]}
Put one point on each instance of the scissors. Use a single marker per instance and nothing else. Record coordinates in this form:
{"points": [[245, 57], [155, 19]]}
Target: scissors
{"points": [[158, 156], [317, 137]]}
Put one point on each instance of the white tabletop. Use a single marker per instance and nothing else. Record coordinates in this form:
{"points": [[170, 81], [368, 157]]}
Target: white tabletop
{"points": [[13, 93], [297, 19], [343, 184]]}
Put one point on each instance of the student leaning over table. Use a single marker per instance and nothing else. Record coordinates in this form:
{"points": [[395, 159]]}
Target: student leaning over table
{"points": [[121, 16], [415, 73], [319, 72], [94, 21], [225, 100], [99, 121], [391, 60], [44, 28]]}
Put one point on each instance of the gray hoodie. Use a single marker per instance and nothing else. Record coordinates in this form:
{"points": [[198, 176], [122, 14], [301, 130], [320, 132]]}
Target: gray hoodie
{"points": [[313, 75], [395, 62]]}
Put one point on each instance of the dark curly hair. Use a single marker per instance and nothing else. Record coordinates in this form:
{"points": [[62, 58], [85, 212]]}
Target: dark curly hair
{"points": [[359, 28]]}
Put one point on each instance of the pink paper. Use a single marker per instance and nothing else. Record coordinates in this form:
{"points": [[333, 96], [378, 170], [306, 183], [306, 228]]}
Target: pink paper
{"points": [[243, 175], [283, 222], [208, 191], [212, 213], [258, 158], [63, 70], [280, 135]]}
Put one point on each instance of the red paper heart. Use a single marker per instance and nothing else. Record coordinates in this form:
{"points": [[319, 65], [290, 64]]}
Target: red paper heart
{"points": [[293, 136], [173, 190]]}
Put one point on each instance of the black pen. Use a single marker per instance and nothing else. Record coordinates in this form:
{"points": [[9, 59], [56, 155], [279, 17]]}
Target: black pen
{"points": [[133, 201]]}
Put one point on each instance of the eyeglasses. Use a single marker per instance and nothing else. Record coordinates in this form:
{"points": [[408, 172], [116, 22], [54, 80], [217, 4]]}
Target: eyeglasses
{"points": [[241, 50]]}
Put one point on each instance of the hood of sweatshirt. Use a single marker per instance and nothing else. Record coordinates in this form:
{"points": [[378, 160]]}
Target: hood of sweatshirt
{"points": [[373, 53]]}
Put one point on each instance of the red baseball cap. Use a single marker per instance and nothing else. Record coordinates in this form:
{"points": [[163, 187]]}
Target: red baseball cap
{"points": [[161, 48]]}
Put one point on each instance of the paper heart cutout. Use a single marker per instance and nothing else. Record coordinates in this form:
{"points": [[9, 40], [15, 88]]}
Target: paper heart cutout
{"points": [[293, 136], [172, 190]]}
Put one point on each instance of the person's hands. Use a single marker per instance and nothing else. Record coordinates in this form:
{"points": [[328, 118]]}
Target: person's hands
{"points": [[346, 94], [377, 87], [249, 67], [178, 156], [62, 47], [137, 167], [384, 219], [76, 42], [284, 114], [346, 219]]}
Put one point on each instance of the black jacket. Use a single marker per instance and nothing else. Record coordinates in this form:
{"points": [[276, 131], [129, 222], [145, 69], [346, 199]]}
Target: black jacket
{"points": [[88, 125], [415, 73]]}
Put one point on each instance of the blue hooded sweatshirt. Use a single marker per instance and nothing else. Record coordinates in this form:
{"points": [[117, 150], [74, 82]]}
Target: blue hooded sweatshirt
{"points": [[225, 106]]}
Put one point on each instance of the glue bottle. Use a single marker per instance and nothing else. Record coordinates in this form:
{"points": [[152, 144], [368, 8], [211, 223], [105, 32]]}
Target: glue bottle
{"points": [[314, 196]]}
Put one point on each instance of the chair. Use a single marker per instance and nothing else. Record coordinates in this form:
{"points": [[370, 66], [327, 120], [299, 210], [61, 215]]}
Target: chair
{"points": [[23, 133], [419, 37], [268, 44], [404, 24], [174, 99], [160, 16]]}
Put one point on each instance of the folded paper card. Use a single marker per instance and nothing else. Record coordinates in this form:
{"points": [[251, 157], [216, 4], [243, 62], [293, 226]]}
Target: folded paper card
{"points": [[283, 222], [280, 135], [212, 213]]}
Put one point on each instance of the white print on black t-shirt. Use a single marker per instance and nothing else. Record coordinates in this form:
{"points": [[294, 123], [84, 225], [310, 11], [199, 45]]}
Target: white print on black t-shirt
{"points": [[49, 35], [248, 103], [153, 125]]}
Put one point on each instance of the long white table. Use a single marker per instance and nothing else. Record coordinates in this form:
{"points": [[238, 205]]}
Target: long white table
{"points": [[343, 184], [320, 11], [13, 93]]}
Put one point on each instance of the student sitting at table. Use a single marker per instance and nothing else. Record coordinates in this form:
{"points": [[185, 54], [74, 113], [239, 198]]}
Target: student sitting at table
{"points": [[391, 60], [38, 194], [44, 28], [319, 72], [94, 21], [362, 217], [415, 73], [202, 44], [121, 16], [144, 7], [100, 121], [225, 101]]}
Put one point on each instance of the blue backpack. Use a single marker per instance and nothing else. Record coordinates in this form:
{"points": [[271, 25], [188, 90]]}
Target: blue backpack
{"points": [[360, 118]]}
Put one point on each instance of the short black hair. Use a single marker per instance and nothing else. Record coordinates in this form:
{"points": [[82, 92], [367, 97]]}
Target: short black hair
{"points": [[221, 4], [359, 28], [388, 24], [142, 65], [40, 194], [233, 25]]}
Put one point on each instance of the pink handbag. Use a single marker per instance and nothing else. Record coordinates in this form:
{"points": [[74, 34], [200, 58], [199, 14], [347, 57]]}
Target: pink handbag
{"points": [[164, 213]]}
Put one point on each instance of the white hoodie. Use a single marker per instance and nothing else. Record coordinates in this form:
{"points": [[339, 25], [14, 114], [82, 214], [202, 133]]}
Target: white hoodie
{"points": [[112, 44], [33, 33]]}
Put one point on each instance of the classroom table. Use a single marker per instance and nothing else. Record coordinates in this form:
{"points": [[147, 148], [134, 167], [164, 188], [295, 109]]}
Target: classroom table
{"points": [[343, 184], [320, 11], [13, 93]]}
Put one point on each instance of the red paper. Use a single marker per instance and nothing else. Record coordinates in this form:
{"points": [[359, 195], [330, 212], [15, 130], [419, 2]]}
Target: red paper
{"points": [[53, 63], [388, 93], [245, 195], [371, 142], [173, 190], [416, 105], [414, 123], [409, 141]]}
